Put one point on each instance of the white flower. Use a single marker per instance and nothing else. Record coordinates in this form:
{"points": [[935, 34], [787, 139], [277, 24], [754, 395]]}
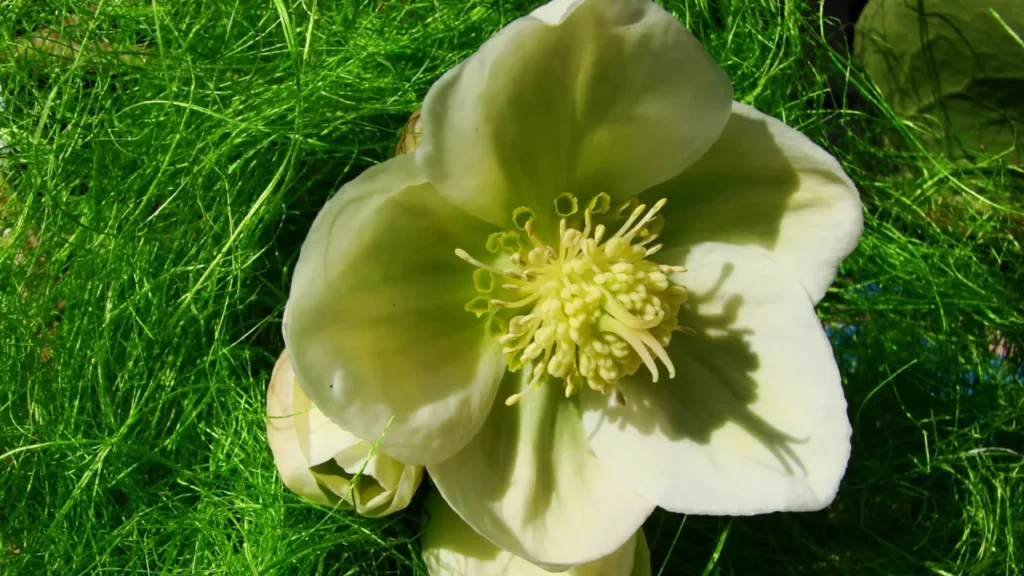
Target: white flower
{"points": [[318, 460], [630, 382], [452, 548]]}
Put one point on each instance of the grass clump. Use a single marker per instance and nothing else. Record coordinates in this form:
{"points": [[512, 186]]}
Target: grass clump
{"points": [[164, 160]]}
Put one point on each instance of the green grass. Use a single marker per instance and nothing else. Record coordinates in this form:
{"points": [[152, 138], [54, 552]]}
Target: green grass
{"points": [[167, 183]]}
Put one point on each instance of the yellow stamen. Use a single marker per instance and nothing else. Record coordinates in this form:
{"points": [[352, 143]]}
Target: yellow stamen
{"points": [[597, 309]]}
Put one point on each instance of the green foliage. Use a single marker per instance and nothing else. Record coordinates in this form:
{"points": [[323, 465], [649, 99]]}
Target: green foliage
{"points": [[157, 188], [957, 66]]}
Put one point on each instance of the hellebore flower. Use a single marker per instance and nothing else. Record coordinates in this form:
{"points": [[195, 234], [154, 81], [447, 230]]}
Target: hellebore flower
{"points": [[318, 460], [588, 293], [452, 548]]}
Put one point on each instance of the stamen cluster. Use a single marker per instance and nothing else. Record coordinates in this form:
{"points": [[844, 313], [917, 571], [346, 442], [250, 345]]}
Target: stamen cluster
{"points": [[598, 309]]}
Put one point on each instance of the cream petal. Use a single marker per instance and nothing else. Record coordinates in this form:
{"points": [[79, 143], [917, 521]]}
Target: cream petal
{"points": [[375, 320], [401, 494], [765, 184], [584, 97], [530, 483], [352, 458], [385, 470], [452, 548], [284, 440], [754, 421]]}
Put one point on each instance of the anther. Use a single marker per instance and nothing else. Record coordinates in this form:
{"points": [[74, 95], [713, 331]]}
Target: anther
{"points": [[629, 221], [647, 217], [465, 256], [518, 303]]}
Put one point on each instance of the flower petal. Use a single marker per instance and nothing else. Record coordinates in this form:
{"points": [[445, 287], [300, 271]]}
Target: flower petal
{"points": [[641, 556], [588, 96], [765, 184], [397, 498], [755, 419], [529, 482], [284, 441], [452, 548], [375, 320]]}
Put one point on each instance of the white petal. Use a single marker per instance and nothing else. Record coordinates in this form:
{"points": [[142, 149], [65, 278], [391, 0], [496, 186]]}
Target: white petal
{"points": [[375, 320], [584, 97], [765, 184], [284, 441], [755, 419], [452, 548], [556, 11], [530, 483]]}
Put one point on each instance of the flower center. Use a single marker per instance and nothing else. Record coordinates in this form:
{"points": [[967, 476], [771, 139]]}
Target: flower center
{"points": [[593, 309]]}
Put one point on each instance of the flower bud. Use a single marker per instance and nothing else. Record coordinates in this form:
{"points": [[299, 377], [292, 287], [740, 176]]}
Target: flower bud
{"points": [[321, 462]]}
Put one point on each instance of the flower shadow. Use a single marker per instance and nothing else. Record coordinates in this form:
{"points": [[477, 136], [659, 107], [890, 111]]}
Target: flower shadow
{"points": [[714, 387], [738, 192], [714, 384]]}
